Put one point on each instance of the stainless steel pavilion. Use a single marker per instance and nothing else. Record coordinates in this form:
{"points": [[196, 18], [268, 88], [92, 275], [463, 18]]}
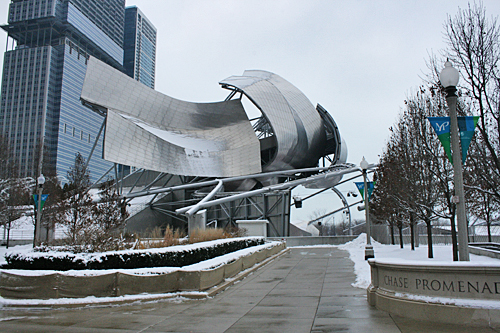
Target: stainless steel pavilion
{"points": [[151, 131]]}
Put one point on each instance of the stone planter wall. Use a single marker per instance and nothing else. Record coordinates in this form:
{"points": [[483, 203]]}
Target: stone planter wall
{"points": [[60, 285]]}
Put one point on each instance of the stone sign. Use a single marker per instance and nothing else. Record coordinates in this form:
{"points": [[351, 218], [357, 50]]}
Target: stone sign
{"points": [[460, 292], [458, 281]]}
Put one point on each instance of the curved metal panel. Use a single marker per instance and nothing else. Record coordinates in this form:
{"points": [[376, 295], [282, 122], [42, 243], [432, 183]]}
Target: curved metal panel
{"points": [[150, 130], [296, 124], [335, 144], [343, 152]]}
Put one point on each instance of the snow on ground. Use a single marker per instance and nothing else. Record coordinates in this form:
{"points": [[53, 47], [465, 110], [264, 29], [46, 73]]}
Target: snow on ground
{"points": [[393, 253], [86, 301], [302, 224], [18, 249], [356, 249], [23, 227], [24, 222], [469, 303]]}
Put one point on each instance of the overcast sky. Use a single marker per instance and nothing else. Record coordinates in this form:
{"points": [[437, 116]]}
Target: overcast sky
{"points": [[358, 59]]}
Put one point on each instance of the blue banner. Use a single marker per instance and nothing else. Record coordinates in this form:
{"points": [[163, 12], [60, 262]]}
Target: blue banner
{"points": [[44, 198], [441, 126], [466, 127], [361, 187]]}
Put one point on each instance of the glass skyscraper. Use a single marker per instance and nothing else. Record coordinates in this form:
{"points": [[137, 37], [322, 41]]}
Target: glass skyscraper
{"points": [[49, 43], [139, 47]]}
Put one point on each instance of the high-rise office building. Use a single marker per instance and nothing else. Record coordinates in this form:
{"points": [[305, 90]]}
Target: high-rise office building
{"points": [[139, 56], [139, 47], [49, 42]]}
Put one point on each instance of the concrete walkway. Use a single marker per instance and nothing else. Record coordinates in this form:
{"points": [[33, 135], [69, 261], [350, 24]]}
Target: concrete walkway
{"points": [[305, 290]]}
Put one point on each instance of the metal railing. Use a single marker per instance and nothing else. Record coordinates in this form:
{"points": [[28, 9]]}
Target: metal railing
{"points": [[381, 233], [25, 234]]}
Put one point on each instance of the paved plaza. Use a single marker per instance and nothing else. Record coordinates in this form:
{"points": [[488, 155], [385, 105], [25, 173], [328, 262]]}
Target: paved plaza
{"points": [[305, 290]]}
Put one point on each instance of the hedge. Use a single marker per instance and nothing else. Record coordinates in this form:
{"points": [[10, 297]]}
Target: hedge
{"points": [[174, 256]]}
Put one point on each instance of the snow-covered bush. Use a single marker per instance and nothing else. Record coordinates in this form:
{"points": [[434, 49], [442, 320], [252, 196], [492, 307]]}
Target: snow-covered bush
{"points": [[175, 256]]}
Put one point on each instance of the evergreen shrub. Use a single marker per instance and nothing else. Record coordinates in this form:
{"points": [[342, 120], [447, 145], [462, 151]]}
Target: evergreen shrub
{"points": [[174, 256]]}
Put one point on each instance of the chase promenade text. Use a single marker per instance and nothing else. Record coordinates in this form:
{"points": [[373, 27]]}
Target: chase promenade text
{"points": [[443, 285]]}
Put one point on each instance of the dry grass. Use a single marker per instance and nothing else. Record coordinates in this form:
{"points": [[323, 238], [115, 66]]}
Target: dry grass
{"points": [[156, 238], [213, 234], [156, 233], [170, 237], [206, 235], [173, 237]]}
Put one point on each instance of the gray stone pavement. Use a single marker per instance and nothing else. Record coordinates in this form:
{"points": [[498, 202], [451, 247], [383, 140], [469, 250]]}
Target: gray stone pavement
{"points": [[305, 290]]}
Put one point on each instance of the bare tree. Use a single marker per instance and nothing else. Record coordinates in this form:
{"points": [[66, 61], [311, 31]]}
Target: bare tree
{"points": [[13, 197], [474, 45], [480, 201], [414, 174], [426, 158], [384, 205], [14, 191]]}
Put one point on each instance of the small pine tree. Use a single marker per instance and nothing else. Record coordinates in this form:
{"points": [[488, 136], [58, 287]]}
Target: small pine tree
{"points": [[75, 211], [109, 218], [91, 225]]}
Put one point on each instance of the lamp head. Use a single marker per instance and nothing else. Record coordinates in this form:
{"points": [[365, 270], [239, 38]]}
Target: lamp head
{"points": [[363, 164], [449, 76], [41, 180]]}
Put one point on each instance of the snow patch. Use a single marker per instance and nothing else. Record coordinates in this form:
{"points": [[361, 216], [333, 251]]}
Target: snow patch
{"points": [[443, 255], [468, 303], [180, 296], [395, 255]]}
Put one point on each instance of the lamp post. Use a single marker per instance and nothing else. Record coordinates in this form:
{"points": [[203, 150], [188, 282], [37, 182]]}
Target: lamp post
{"points": [[449, 77], [348, 211], [38, 225], [354, 194], [369, 253], [348, 214]]}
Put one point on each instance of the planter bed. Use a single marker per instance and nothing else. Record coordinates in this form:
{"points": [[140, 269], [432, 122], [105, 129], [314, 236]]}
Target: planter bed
{"points": [[43, 284], [174, 256]]}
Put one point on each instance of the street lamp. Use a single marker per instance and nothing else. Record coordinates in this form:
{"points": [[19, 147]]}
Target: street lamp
{"points": [[449, 77], [38, 226], [348, 214], [348, 211], [369, 253]]}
